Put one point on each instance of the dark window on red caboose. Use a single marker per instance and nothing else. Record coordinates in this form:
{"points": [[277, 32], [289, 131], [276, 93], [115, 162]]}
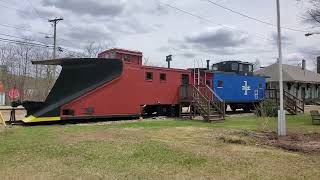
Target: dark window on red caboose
{"points": [[163, 77], [208, 82], [149, 76], [127, 57]]}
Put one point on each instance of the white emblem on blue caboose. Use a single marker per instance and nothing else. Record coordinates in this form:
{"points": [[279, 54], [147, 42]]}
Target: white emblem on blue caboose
{"points": [[256, 94], [246, 88]]}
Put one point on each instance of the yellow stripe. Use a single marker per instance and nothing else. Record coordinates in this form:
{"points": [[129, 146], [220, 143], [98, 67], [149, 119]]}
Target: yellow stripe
{"points": [[2, 120], [31, 119]]}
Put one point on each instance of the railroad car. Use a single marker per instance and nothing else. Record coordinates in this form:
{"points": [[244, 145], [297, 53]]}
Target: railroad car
{"points": [[114, 85], [117, 84], [236, 84]]}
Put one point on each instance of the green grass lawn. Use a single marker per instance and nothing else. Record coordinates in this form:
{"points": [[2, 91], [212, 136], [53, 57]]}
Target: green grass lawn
{"points": [[159, 149]]}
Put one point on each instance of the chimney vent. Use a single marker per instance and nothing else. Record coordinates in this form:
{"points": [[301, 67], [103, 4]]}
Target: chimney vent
{"points": [[208, 64], [303, 64], [169, 59]]}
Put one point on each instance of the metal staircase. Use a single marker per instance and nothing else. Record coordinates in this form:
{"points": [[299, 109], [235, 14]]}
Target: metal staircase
{"points": [[202, 100], [292, 104]]}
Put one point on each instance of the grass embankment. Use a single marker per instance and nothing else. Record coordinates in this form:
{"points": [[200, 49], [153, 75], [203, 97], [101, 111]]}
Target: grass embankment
{"points": [[163, 149]]}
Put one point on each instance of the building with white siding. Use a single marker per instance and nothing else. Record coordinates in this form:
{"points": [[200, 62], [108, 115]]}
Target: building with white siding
{"points": [[297, 80]]}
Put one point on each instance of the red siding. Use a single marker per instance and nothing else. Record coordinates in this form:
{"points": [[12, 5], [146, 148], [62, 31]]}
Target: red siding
{"points": [[126, 94], [130, 57], [1, 87]]}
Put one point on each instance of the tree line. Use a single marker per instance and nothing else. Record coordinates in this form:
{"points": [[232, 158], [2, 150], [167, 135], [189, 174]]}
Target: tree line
{"points": [[35, 81]]}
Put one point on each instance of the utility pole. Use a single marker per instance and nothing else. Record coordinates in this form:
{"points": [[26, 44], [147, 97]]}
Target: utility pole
{"points": [[281, 115], [55, 22]]}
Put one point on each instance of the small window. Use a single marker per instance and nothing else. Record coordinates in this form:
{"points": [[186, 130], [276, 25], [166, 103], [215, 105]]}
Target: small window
{"points": [[113, 54], [240, 67], [149, 76], [215, 67], [163, 77], [260, 85], [68, 112], [250, 68], [208, 82], [220, 84], [127, 57], [234, 66]]}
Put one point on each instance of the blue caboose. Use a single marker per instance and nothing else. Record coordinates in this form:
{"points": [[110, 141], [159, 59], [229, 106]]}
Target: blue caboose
{"points": [[236, 84]]}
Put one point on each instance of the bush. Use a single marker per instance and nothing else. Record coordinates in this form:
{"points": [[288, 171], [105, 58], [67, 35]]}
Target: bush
{"points": [[268, 108]]}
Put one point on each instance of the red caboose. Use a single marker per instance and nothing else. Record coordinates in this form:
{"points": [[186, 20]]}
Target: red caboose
{"points": [[114, 85]]}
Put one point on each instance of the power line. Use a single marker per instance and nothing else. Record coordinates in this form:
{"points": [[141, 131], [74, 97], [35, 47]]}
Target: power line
{"points": [[35, 10], [38, 14], [29, 30], [14, 8], [22, 29], [26, 39], [24, 43], [210, 21], [42, 45], [253, 18]]}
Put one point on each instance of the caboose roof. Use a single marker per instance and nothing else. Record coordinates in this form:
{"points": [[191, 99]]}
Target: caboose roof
{"points": [[125, 51], [68, 61], [290, 74]]}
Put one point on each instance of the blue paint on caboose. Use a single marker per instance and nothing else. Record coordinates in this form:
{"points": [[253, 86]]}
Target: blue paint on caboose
{"points": [[235, 88]]}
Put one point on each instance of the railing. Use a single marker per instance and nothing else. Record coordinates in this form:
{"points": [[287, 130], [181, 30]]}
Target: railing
{"points": [[292, 102], [203, 103], [214, 99], [204, 97]]}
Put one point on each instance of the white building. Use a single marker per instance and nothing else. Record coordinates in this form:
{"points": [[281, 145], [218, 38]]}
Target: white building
{"points": [[297, 80]]}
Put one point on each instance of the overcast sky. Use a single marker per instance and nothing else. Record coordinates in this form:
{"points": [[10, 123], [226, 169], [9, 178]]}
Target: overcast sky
{"points": [[158, 30]]}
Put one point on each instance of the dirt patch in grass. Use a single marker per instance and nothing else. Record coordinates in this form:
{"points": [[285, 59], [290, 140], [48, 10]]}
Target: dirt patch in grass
{"points": [[306, 143], [296, 142]]}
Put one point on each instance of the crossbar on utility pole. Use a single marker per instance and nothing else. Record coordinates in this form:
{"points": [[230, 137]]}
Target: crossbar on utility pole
{"points": [[55, 22], [281, 115]]}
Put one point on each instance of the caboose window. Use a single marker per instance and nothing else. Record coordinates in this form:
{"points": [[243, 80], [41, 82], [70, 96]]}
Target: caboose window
{"points": [[260, 85], [163, 77], [149, 76], [234, 66], [215, 67], [250, 68], [220, 84], [127, 57], [240, 67], [113, 54], [208, 82]]}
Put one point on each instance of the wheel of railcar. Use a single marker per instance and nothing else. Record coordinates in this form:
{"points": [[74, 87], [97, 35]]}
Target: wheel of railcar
{"points": [[246, 109], [233, 108]]}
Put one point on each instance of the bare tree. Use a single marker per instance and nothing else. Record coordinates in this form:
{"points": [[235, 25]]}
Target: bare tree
{"points": [[35, 81], [92, 49], [256, 65], [313, 13]]}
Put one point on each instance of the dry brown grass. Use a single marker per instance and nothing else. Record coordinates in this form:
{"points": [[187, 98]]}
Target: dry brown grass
{"points": [[178, 151]]}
